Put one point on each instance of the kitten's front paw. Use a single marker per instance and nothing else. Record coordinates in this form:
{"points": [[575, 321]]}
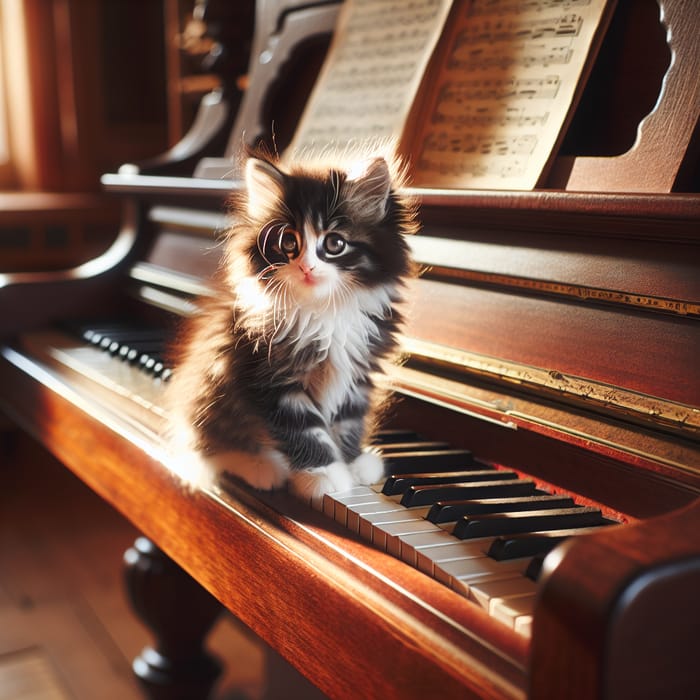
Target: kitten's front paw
{"points": [[265, 471], [368, 468], [312, 484]]}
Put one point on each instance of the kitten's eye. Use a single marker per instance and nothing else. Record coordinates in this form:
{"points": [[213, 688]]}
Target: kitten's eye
{"points": [[290, 243], [334, 244]]}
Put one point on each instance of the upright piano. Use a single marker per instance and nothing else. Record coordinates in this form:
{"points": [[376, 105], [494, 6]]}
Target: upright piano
{"points": [[553, 338]]}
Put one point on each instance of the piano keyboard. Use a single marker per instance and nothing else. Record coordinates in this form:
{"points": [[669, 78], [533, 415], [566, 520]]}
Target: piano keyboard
{"points": [[142, 347], [480, 529]]}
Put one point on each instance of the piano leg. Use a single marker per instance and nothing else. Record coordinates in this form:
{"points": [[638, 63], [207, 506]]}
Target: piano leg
{"points": [[180, 614]]}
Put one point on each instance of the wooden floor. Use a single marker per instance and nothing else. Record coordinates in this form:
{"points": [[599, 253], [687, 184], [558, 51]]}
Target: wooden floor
{"points": [[66, 631]]}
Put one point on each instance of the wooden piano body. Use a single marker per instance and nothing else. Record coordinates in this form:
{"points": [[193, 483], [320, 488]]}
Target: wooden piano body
{"points": [[555, 332]]}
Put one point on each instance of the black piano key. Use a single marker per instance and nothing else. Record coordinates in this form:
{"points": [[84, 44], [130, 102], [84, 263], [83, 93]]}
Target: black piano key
{"points": [[526, 544], [146, 361], [501, 483], [152, 364], [91, 334], [138, 344], [427, 460], [529, 544], [132, 351], [534, 568], [493, 525], [398, 483], [449, 511], [382, 437], [124, 341], [122, 334]]}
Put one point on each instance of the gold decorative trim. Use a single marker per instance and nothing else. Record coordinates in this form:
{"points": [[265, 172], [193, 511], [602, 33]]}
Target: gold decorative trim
{"points": [[643, 407], [580, 292]]}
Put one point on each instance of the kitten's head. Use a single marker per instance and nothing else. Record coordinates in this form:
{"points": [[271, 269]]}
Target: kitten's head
{"points": [[321, 234]]}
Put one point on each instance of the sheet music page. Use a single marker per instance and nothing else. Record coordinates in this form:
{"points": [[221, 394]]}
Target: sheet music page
{"points": [[370, 78], [504, 88]]}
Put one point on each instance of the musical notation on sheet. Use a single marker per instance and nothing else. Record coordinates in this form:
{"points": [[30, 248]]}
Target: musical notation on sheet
{"points": [[505, 84], [371, 76]]}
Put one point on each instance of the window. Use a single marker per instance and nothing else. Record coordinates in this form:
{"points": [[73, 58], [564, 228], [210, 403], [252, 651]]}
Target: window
{"points": [[6, 170]]}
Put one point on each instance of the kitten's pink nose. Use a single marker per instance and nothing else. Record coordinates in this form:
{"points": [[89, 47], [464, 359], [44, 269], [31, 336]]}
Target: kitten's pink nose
{"points": [[307, 271]]}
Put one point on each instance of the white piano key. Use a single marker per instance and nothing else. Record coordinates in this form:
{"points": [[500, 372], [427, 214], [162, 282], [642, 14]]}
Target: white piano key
{"points": [[335, 505], [387, 536], [460, 573], [523, 625], [368, 523], [353, 495], [355, 513], [510, 609], [423, 552], [489, 593], [394, 516], [412, 544], [498, 587], [427, 557]]}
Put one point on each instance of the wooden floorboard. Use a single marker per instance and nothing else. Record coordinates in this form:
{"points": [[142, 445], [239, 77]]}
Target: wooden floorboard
{"points": [[65, 623], [30, 675]]}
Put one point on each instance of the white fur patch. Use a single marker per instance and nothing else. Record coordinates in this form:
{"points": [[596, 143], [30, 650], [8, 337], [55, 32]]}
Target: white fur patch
{"points": [[345, 332], [265, 471], [367, 469], [264, 185], [311, 484]]}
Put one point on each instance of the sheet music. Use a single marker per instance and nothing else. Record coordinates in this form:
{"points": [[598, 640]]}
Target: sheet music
{"points": [[504, 88], [371, 76]]}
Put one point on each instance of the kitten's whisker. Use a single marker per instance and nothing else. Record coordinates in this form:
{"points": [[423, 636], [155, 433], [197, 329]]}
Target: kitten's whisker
{"points": [[279, 310], [344, 291]]}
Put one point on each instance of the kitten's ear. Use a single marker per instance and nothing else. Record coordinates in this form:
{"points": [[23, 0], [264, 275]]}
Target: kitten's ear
{"points": [[265, 185], [371, 188]]}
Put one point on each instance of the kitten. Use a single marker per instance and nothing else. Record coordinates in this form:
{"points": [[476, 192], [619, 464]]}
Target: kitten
{"points": [[278, 363]]}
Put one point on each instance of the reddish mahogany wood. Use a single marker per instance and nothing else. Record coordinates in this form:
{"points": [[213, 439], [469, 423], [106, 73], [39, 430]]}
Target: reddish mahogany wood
{"points": [[618, 614], [284, 570], [180, 613], [651, 354], [664, 145]]}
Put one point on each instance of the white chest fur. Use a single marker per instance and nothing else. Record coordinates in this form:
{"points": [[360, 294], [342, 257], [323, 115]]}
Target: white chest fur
{"points": [[345, 333]]}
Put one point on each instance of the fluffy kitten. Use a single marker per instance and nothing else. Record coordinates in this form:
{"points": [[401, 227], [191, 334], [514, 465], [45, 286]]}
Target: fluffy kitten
{"points": [[278, 363]]}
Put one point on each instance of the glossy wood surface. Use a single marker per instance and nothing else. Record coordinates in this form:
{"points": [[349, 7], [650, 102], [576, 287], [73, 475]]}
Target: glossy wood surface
{"points": [[402, 634], [635, 591]]}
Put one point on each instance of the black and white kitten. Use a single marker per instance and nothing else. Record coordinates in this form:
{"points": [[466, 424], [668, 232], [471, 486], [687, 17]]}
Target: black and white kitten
{"points": [[278, 364]]}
